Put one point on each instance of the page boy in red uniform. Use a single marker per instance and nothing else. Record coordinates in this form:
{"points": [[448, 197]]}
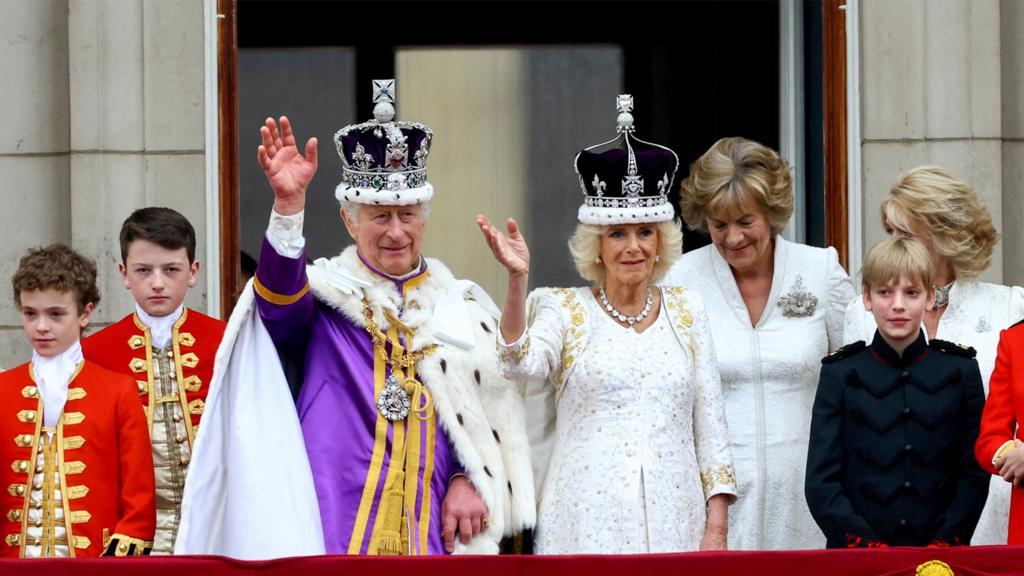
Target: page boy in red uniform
{"points": [[167, 349], [76, 473]]}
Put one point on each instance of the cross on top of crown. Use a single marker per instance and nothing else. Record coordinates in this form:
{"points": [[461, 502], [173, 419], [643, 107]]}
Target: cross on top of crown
{"points": [[384, 100], [384, 91], [624, 104]]}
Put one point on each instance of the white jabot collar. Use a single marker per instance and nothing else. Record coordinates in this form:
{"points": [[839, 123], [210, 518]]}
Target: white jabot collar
{"points": [[160, 327], [52, 375]]}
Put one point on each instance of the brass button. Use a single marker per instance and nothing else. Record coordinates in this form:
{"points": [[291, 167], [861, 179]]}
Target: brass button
{"points": [[39, 469], [32, 392], [142, 387], [20, 490], [179, 438], [122, 547], [31, 416], [176, 418], [37, 483], [174, 375], [23, 466], [170, 353], [184, 461]]}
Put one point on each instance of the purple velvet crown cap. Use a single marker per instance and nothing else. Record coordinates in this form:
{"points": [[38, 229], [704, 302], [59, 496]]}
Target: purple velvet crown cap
{"points": [[384, 161], [628, 183]]}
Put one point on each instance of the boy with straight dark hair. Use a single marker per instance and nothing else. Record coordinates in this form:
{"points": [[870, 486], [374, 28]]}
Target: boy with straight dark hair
{"points": [[167, 348], [77, 469], [891, 460]]}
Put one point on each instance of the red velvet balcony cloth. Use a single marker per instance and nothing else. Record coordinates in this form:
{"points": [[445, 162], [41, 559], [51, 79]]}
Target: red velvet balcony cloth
{"points": [[975, 561]]}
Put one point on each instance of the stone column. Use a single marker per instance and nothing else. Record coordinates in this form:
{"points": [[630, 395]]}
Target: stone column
{"points": [[33, 148], [931, 93], [137, 136], [1011, 20], [106, 115]]}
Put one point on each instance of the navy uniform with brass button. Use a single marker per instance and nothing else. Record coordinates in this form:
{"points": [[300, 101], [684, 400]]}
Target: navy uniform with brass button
{"points": [[891, 446]]}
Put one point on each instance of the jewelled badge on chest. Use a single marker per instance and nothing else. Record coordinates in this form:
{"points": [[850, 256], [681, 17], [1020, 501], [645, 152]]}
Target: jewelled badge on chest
{"points": [[393, 402]]}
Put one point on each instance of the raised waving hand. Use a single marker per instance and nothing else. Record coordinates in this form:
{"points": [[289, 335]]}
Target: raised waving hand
{"points": [[512, 253], [288, 171]]}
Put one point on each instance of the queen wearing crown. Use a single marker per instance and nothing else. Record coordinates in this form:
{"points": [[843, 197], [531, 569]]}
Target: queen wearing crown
{"points": [[639, 456]]}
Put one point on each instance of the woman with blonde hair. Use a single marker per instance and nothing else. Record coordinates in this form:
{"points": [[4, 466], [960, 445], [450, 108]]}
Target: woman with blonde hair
{"points": [[944, 213], [640, 459], [776, 307]]}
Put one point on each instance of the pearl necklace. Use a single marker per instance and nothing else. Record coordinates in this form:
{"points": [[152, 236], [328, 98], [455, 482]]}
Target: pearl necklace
{"points": [[622, 317]]}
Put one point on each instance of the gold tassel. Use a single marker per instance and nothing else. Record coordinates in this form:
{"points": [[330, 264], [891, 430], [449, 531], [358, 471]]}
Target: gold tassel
{"points": [[392, 504]]}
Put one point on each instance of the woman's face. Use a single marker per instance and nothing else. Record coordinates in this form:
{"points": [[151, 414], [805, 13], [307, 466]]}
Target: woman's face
{"points": [[628, 252], [743, 237]]}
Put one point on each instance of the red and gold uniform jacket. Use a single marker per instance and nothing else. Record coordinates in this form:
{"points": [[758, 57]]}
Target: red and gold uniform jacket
{"points": [[127, 347], [1004, 412], [100, 453]]}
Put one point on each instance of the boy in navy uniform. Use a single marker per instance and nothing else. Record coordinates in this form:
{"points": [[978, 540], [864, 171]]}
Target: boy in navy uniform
{"points": [[890, 461]]}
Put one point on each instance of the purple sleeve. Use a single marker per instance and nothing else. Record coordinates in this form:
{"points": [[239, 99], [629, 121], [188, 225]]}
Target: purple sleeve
{"points": [[457, 469], [282, 296]]}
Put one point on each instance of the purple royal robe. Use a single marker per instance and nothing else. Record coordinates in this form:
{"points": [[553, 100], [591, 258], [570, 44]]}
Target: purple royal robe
{"points": [[338, 413]]}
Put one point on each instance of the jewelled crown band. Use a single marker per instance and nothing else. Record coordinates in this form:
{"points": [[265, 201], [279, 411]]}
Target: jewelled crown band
{"points": [[628, 183], [384, 161]]}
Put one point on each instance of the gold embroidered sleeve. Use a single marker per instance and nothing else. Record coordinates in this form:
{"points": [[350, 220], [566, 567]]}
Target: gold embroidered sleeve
{"points": [[718, 480], [1006, 447], [515, 352], [547, 346], [122, 545]]}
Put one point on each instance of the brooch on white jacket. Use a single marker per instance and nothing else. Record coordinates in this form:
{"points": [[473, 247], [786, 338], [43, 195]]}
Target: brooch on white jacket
{"points": [[798, 302]]}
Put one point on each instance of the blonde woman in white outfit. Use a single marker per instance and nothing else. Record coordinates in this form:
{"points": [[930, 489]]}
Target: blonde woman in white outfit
{"points": [[776, 308], [931, 205], [640, 461]]}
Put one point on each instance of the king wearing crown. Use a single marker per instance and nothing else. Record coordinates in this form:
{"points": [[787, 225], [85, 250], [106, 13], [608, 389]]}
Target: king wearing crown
{"points": [[403, 439]]}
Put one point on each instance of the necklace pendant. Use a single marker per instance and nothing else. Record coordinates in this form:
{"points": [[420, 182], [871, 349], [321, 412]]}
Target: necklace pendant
{"points": [[393, 402]]}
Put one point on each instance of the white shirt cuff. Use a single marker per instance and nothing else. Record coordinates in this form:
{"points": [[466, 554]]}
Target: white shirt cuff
{"points": [[285, 234]]}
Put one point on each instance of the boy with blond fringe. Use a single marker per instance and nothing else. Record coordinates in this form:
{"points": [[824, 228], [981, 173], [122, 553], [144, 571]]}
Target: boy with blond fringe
{"points": [[890, 461]]}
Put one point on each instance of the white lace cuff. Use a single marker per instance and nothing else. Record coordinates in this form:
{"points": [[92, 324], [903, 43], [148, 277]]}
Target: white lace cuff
{"points": [[285, 234]]}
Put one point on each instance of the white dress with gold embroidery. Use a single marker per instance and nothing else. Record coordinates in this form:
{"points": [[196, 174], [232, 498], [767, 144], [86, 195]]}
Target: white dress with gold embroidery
{"points": [[640, 435]]}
